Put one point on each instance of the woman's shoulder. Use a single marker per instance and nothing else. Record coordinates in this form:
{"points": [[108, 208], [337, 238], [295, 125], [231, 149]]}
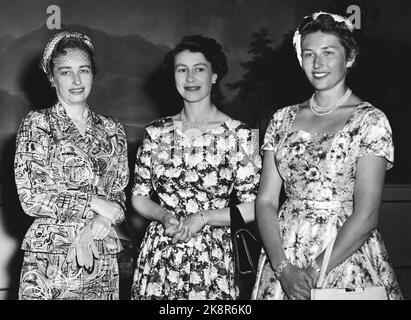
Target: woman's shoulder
{"points": [[234, 124], [282, 112], [160, 123], [282, 115], [366, 112], [158, 126], [37, 117]]}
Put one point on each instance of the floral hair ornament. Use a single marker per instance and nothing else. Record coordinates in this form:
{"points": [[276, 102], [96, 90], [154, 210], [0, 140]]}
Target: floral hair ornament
{"points": [[48, 50], [314, 16]]}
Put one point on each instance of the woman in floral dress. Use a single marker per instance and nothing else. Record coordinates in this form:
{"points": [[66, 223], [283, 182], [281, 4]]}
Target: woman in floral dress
{"points": [[71, 170], [331, 152], [193, 161]]}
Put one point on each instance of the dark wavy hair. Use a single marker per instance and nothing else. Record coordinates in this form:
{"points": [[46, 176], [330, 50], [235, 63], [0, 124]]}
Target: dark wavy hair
{"points": [[326, 24], [73, 43], [209, 47]]}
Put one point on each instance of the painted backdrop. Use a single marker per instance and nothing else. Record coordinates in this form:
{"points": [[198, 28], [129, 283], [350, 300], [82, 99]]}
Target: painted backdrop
{"points": [[131, 39]]}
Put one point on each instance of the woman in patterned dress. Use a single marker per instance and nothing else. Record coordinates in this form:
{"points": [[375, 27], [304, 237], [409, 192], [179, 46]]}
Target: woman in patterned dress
{"points": [[331, 152], [192, 161], [70, 170]]}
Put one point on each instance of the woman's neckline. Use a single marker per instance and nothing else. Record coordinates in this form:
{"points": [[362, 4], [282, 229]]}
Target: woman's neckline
{"points": [[204, 130], [328, 133]]}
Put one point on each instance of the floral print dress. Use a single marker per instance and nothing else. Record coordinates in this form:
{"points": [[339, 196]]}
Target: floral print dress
{"points": [[190, 175], [57, 171], [318, 171]]}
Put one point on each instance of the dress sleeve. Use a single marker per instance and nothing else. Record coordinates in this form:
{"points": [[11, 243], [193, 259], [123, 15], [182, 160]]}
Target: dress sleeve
{"points": [[248, 166], [37, 189], [142, 171], [376, 137], [121, 171], [272, 134]]}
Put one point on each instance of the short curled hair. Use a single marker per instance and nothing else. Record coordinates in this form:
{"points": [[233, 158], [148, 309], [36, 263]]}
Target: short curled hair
{"points": [[325, 23], [72, 43], [209, 47]]}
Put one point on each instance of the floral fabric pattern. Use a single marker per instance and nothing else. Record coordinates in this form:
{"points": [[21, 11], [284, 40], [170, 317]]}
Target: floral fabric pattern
{"points": [[189, 175], [318, 171]]}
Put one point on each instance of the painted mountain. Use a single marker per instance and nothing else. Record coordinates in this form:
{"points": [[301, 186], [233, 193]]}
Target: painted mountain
{"points": [[125, 65], [128, 84]]}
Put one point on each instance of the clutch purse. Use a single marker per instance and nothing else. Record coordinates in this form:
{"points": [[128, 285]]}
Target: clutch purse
{"points": [[360, 293], [246, 246]]}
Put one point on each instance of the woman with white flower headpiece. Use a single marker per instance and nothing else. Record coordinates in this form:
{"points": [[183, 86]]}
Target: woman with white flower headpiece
{"points": [[71, 170], [193, 161], [331, 153]]}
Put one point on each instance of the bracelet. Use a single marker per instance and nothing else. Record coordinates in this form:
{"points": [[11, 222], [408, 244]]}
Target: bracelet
{"points": [[203, 218], [283, 264], [315, 266]]}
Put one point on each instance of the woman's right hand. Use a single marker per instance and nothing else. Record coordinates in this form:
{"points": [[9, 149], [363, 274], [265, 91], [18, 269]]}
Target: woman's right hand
{"points": [[171, 224], [108, 209], [100, 227], [294, 282], [175, 229]]}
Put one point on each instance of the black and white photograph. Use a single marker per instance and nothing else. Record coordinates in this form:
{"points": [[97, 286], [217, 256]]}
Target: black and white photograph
{"points": [[205, 150]]}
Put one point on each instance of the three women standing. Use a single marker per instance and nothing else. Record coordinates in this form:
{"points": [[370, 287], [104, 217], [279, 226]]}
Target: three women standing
{"points": [[331, 153]]}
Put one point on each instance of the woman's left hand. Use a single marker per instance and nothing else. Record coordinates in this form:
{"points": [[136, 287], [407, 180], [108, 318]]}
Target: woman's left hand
{"points": [[294, 283], [193, 223], [311, 277], [100, 227]]}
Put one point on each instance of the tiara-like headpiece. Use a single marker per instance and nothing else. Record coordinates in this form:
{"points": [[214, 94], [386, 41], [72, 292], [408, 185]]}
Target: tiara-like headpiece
{"points": [[48, 50], [314, 16]]}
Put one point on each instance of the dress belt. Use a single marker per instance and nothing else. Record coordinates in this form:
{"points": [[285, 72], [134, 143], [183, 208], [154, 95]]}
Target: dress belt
{"points": [[321, 204]]}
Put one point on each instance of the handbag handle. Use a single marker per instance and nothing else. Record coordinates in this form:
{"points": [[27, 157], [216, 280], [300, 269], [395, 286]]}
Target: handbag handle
{"points": [[326, 260], [236, 219]]}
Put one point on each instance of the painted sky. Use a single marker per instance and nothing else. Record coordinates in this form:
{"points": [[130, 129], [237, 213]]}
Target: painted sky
{"points": [[120, 89], [166, 21]]}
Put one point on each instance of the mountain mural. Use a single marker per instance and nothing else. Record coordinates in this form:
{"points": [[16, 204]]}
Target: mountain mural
{"points": [[122, 88], [124, 65], [5, 41], [12, 109]]}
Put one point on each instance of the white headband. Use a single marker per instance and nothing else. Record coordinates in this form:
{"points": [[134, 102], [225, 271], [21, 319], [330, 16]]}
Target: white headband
{"points": [[48, 50], [297, 34]]}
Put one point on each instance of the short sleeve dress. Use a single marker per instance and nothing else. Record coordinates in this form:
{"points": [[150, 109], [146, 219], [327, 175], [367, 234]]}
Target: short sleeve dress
{"points": [[189, 176], [318, 171]]}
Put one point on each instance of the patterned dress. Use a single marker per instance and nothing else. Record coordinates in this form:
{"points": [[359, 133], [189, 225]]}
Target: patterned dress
{"points": [[57, 171], [319, 171], [189, 176]]}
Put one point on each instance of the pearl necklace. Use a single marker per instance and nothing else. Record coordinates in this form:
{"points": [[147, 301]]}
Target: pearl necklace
{"points": [[195, 124], [321, 111]]}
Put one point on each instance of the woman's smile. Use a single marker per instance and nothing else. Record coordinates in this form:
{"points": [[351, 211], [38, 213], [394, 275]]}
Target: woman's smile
{"points": [[77, 90], [320, 75]]}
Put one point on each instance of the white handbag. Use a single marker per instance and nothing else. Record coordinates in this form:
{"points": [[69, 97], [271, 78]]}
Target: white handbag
{"points": [[361, 293]]}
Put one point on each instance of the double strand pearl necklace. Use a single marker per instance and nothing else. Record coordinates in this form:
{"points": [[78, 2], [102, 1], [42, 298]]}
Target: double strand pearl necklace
{"points": [[321, 111], [195, 124]]}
